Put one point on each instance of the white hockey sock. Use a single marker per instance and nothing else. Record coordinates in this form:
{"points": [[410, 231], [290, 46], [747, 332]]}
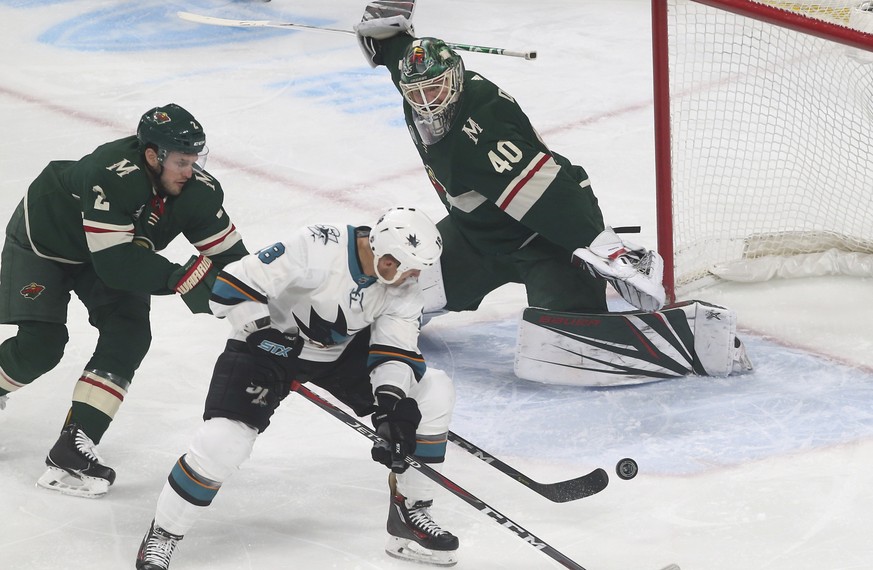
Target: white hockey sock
{"points": [[416, 487], [174, 514]]}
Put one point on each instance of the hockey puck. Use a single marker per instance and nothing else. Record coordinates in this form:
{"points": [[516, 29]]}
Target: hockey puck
{"points": [[627, 468]]}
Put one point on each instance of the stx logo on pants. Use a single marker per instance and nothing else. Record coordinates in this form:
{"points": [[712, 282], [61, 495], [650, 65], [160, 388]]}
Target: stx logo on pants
{"points": [[32, 290], [275, 349]]}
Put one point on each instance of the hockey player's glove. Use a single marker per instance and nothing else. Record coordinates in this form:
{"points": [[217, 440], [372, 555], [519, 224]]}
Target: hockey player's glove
{"points": [[396, 426], [194, 282], [277, 349], [634, 271], [383, 19]]}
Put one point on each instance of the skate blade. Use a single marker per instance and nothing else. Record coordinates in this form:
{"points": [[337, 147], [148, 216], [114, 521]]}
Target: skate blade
{"points": [[55, 479], [406, 549]]}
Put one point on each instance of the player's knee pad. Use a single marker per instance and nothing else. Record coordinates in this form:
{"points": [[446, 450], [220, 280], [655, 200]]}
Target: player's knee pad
{"points": [[220, 446], [36, 349], [243, 389], [435, 394]]}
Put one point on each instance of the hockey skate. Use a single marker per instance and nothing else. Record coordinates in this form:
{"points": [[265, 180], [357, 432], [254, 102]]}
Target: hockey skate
{"points": [[156, 549], [74, 468], [413, 535]]}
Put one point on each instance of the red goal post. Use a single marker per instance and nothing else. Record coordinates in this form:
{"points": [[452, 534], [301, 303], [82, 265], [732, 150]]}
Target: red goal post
{"points": [[763, 127]]}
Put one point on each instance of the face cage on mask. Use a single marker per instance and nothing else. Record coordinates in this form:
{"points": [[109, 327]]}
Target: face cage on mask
{"points": [[446, 87]]}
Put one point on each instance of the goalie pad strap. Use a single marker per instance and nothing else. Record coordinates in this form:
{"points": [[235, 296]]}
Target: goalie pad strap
{"points": [[612, 349]]}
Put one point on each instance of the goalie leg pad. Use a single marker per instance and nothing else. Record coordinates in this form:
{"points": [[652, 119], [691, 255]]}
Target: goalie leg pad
{"points": [[613, 349]]}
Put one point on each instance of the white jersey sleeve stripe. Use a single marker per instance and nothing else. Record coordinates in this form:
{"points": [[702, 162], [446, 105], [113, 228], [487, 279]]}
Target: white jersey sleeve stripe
{"points": [[102, 236], [526, 189], [219, 242]]}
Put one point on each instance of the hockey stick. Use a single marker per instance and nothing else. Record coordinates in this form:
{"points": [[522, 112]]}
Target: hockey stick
{"points": [[213, 21], [559, 492], [441, 480]]}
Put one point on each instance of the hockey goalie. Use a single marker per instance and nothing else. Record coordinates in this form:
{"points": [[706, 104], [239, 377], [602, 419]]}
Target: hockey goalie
{"points": [[515, 212]]}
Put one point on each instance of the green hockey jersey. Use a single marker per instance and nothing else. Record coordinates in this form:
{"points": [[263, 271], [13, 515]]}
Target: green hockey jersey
{"points": [[500, 183], [103, 210]]}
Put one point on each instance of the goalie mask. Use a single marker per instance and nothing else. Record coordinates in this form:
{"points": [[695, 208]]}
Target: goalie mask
{"points": [[431, 81], [172, 129], [408, 236]]}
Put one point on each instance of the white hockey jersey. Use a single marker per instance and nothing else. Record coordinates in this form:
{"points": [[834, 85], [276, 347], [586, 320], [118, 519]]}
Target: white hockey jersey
{"points": [[313, 284]]}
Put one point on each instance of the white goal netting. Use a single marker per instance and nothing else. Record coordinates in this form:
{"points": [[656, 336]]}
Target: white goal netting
{"points": [[770, 148]]}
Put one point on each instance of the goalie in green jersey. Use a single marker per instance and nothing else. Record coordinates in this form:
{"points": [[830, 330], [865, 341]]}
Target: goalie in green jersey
{"points": [[517, 211], [92, 227]]}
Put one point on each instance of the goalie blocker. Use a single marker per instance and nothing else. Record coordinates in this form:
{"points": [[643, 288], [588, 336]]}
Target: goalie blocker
{"points": [[613, 349]]}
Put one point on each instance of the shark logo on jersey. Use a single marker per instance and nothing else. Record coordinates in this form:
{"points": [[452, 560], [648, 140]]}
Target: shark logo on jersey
{"points": [[324, 234], [323, 331]]}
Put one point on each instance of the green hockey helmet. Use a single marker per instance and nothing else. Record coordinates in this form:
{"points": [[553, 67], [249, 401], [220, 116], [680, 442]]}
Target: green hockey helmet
{"points": [[431, 80], [171, 129]]}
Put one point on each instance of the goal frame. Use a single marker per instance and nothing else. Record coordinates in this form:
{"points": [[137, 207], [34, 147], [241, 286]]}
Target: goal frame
{"points": [[661, 75]]}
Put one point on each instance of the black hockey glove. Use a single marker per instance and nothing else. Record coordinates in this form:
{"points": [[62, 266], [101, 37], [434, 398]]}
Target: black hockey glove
{"points": [[279, 350], [193, 281], [396, 426]]}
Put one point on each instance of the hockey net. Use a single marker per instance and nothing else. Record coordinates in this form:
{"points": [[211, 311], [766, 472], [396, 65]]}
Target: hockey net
{"points": [[763, 120]]}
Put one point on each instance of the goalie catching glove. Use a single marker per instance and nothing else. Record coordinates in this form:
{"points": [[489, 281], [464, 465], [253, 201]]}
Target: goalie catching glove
{"points": [[383, 19], [193, 281], [635, 272], [396, 421]]}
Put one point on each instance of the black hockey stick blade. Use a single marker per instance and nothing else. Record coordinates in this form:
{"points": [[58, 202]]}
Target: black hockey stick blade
{"points": [[441, 480], [559, 492]]}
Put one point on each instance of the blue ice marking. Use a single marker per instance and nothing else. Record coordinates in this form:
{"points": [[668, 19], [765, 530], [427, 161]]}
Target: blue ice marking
{"points": [[130, 27], [351, 91]]}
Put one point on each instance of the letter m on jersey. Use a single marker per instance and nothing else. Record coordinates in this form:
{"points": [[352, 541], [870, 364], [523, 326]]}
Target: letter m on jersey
{"points": [[122, 168]]}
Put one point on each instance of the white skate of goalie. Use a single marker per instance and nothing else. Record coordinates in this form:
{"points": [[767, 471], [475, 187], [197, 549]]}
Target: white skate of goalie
{"points": [[635, 272]]}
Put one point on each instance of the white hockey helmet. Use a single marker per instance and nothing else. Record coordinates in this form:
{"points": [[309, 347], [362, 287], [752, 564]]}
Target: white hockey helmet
{"points": [[407, 235]]}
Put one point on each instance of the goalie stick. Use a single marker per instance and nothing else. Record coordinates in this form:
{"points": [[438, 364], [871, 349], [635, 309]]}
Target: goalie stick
{"points": [[441, 480], [213, 21], [559, 492]]}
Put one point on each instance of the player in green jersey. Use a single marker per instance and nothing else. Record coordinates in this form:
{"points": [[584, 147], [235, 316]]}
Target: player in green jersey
{"points": [[93, 227], [517, 211]]}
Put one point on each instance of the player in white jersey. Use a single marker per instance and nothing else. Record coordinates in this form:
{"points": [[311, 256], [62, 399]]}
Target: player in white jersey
{"points": [[339, 307]]}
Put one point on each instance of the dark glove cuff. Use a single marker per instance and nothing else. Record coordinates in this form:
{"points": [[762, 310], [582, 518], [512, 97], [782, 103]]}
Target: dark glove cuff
{"points": [[406, 410]]}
